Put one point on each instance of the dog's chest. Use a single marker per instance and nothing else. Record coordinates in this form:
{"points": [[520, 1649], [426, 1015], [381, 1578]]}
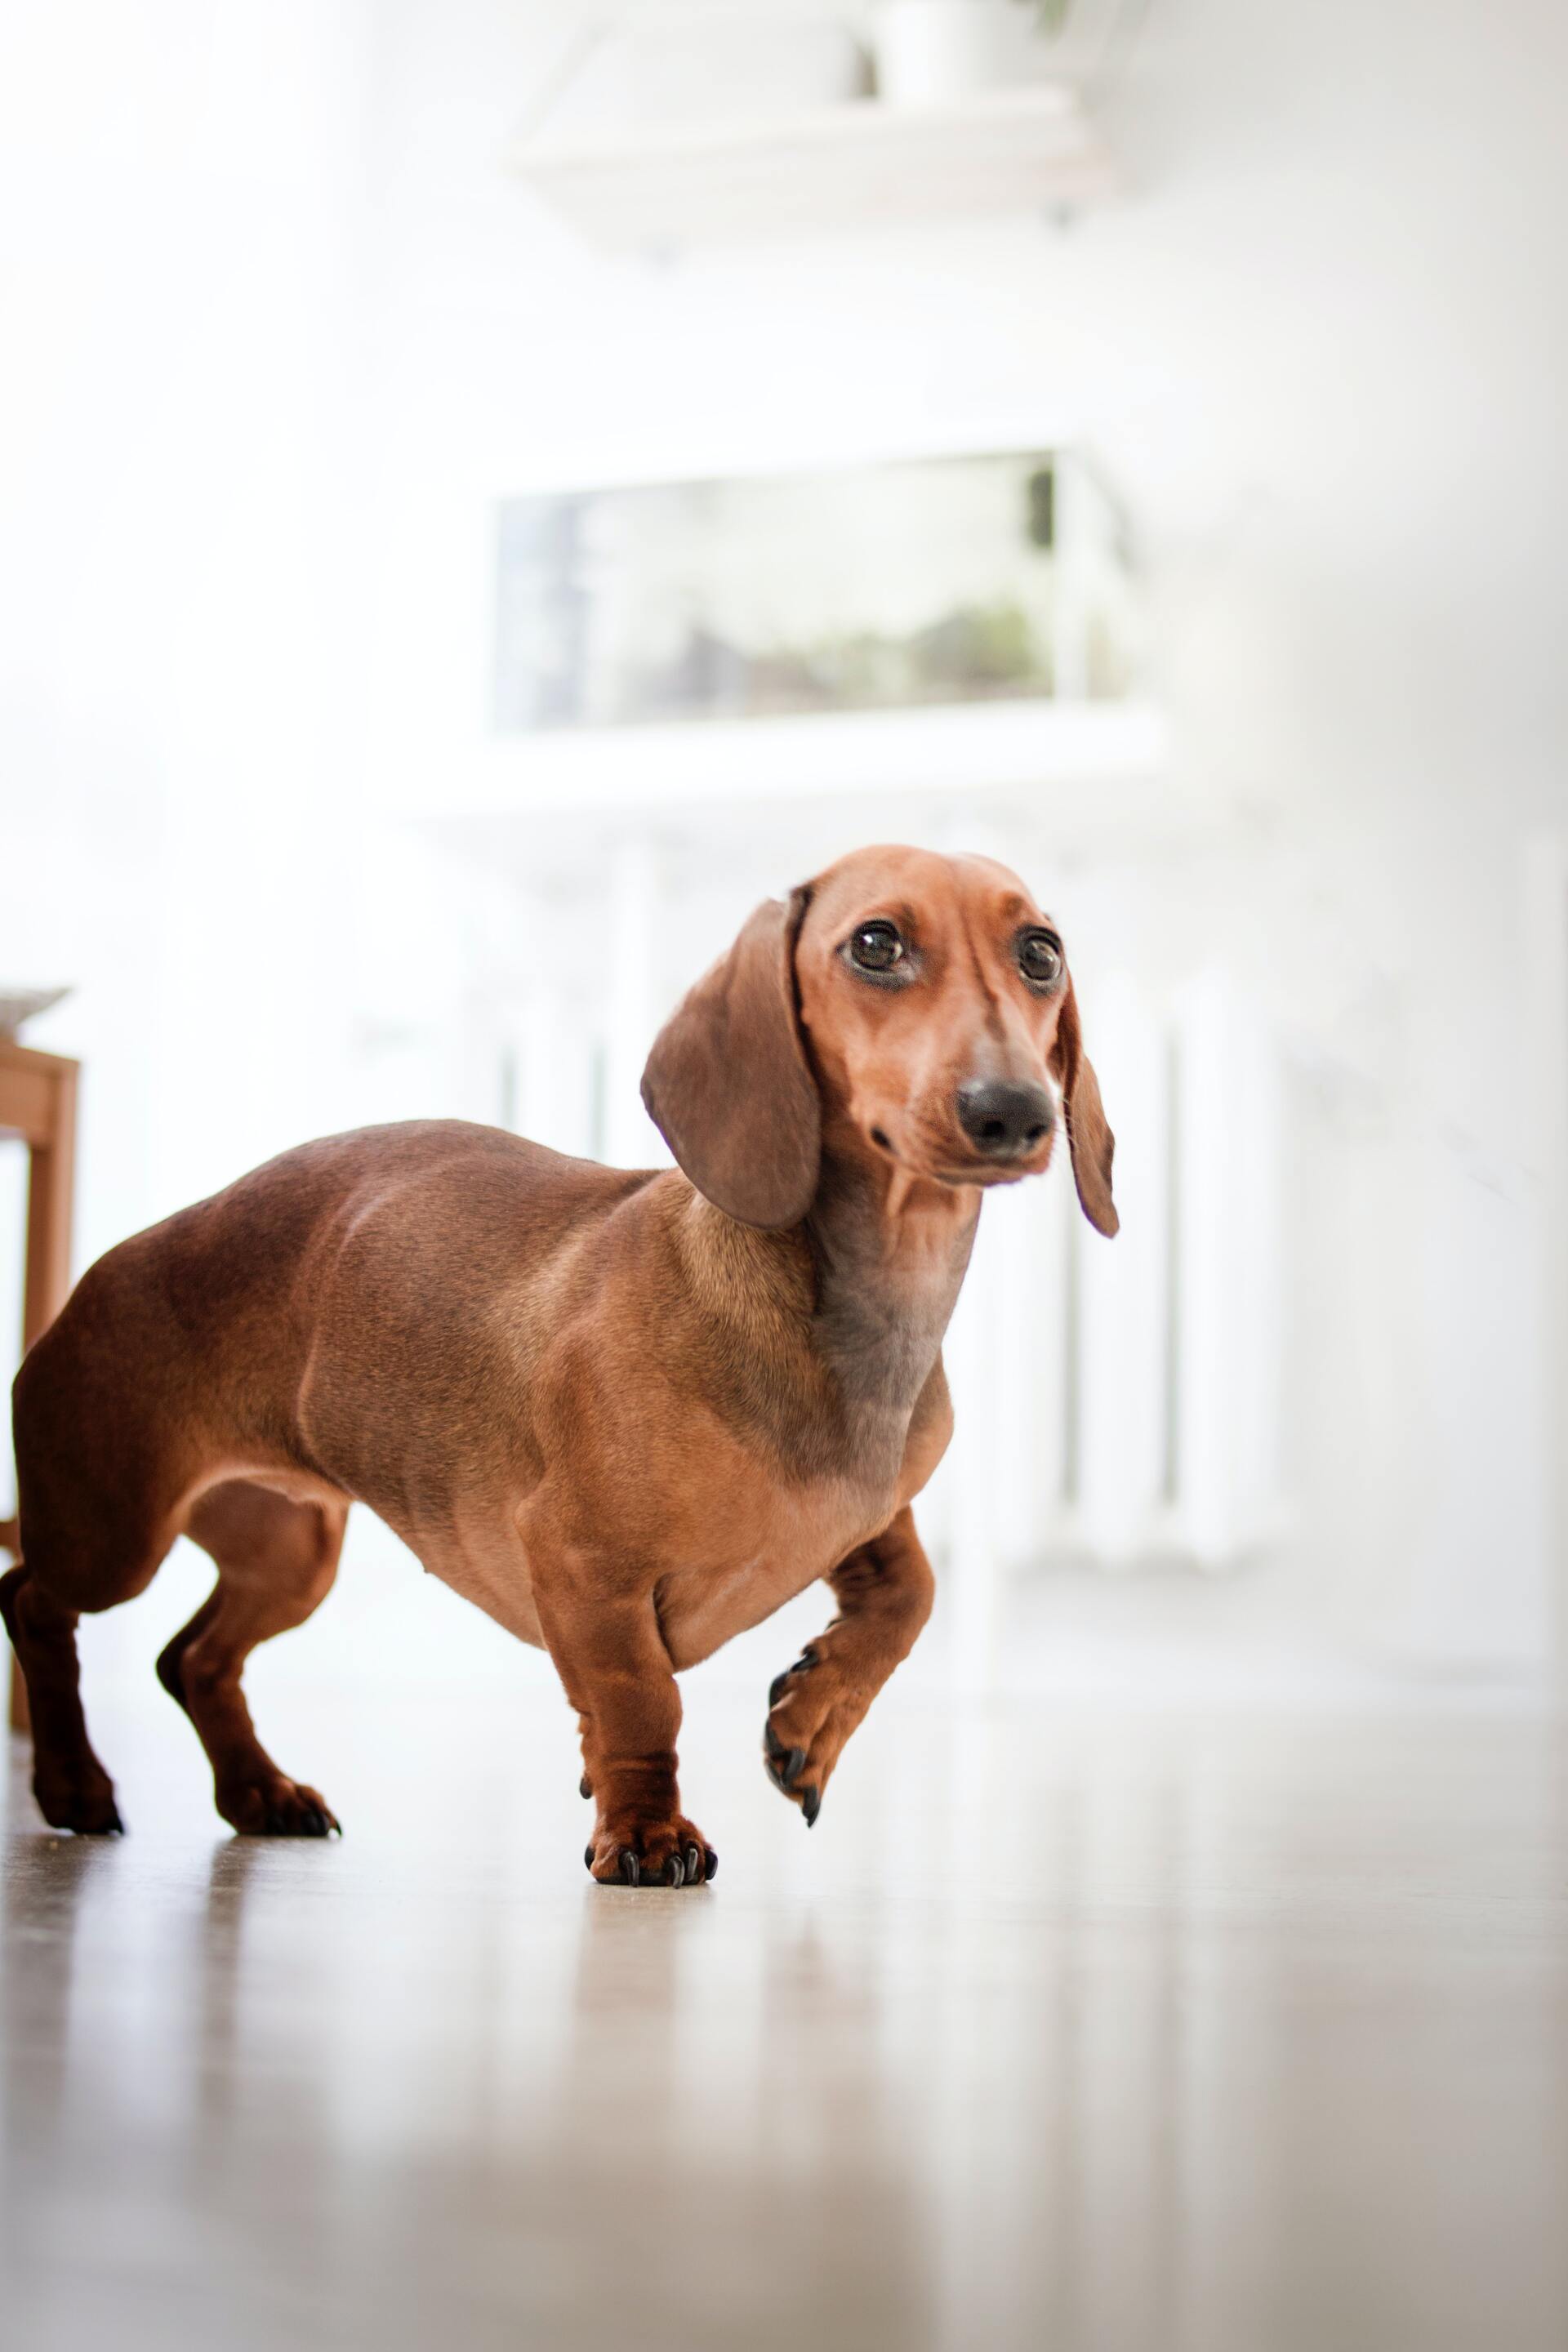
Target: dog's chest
{"points": [[758, 1554], [766, 1538], [803, 1535]]}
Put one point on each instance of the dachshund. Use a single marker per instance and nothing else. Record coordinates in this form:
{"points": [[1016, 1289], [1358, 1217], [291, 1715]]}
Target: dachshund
{"points": [[628, 1412]]}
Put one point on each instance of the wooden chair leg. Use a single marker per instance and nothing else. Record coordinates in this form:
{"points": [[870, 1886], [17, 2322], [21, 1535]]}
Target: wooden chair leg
{"points": [[51, 1180]]}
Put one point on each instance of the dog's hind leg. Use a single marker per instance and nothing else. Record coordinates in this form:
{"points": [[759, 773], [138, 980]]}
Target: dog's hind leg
{"points": [[72, 1789], [105, 1458], [79, 1555], [97, 1519], [276, 1561], [885, 1590]]}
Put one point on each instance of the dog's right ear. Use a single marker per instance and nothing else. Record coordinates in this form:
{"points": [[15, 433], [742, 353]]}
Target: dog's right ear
{"points": [[1089, 1139], [728, 1085]]}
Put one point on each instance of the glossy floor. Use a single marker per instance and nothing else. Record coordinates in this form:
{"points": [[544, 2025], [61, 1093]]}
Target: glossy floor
{"points": [[1084, 2029]]}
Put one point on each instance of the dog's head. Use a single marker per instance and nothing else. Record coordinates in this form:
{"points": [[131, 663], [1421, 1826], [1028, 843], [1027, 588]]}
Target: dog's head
{"points": [[907, 1007]]}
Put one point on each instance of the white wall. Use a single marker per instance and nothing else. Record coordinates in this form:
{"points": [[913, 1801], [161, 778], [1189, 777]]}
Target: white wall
{"points": [[1319, 349], [289, 330]]}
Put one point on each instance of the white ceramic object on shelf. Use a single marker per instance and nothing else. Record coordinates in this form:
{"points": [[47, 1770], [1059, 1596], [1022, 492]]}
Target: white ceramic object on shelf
{"points": [[20, 1004], [937, 52]]}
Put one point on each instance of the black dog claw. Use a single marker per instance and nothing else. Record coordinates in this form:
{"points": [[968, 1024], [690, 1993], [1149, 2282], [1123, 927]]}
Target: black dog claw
{"points": [[784, 1765], [710, 1865], [803, 1665], [587, 1857], [630, 1870], [810, 1804], [693, 1864], [675, 1872], [584, 1786]]}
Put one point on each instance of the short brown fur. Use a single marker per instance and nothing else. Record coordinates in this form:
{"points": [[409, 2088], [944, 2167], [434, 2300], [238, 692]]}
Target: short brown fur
{"points": [[626, 1413]]}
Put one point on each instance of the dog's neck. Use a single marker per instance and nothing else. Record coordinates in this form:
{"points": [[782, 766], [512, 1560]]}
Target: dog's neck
{"points": [[891, 1251]]}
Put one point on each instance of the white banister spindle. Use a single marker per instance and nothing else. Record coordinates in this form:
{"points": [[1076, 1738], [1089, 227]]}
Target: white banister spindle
{"points": [[1227, 1336], [631, 1013], [555, 1072], [1024, 1228]]}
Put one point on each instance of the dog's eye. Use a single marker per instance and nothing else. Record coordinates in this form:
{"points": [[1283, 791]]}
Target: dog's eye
{"points": [[1040, 958], [876, 947]]}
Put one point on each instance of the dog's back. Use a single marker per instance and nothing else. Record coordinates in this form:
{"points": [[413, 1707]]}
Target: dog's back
{"points": [[208, 1340]]}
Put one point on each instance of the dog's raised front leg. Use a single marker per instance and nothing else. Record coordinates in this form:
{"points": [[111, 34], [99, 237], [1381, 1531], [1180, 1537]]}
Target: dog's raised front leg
{"points": [[616, 1672], [885, 1590]]}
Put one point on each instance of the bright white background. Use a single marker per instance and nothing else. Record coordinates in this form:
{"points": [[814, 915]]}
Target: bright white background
{"points": [[278, 329]]}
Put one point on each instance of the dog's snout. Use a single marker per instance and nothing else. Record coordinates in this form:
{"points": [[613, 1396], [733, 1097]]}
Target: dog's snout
{"points": [[1004, 1118]]}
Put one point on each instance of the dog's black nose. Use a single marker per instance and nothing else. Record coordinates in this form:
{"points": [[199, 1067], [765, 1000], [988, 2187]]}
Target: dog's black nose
{"points": [[1004, 1118]]}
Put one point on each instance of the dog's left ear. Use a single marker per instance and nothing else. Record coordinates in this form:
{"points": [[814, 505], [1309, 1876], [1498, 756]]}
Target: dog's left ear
{"points": [[1089, 1139], [728, 1085]]}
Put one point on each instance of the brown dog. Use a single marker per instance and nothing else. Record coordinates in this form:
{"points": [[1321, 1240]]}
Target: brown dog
{"points": [[628, 1413]]}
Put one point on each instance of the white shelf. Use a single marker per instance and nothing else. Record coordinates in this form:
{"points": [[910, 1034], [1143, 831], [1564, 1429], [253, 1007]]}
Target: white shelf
{"points": [[1028, 149], [1093, 775], [946, 747]]}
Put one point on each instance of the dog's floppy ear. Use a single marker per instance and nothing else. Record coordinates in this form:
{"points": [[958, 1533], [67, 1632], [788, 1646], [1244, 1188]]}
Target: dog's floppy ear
{"points": [[1089, 1139], [728, 1085]]}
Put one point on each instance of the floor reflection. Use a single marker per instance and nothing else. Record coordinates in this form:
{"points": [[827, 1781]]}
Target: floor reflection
{"points": [[1086, 2035], [731, 2093]]}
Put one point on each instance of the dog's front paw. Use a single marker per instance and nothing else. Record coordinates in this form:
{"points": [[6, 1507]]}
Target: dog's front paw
{"points": [[790, 1770], [626, 1852], [810, 1717], [274, 1806]]}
